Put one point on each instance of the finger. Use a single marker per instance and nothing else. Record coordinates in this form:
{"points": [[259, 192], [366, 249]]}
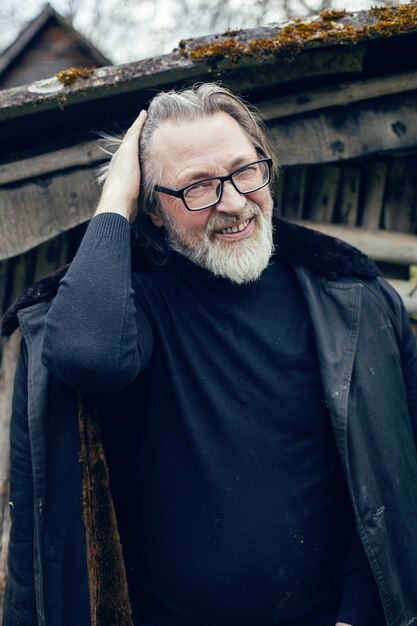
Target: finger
{"points": [[137, 125]]}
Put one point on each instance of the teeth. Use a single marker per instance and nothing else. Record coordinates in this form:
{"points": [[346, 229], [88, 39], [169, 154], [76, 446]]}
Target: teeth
{"points": [[235, 229]]}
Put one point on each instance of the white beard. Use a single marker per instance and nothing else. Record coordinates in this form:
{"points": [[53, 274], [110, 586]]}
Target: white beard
{"points": [[241, 261]]}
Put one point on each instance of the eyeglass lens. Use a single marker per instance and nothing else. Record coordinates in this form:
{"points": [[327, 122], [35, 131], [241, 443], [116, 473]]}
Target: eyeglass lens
{"points": [[246, 179]]}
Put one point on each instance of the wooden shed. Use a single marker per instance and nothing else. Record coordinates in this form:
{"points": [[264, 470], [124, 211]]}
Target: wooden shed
{"points": [[338, 92], [47, 45]]}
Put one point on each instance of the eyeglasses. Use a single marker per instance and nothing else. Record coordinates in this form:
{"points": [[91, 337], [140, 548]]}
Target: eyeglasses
{"points": [[207, 192]]}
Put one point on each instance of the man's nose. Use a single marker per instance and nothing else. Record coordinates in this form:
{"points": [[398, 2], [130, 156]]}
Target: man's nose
{"points": [[232, 201]]}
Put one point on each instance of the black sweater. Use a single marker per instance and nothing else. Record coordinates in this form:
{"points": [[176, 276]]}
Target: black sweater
{"points": [[240, 514]]}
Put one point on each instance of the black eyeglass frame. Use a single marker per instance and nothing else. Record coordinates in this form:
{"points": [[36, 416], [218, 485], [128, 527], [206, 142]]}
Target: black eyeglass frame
{"points": [[179, 193]]}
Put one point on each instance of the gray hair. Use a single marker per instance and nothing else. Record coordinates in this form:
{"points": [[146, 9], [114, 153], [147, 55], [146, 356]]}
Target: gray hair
{"points": [[185, 105]]}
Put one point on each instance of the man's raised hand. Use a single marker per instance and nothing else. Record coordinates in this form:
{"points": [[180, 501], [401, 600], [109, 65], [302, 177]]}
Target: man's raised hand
{"points": [[121, 189]]}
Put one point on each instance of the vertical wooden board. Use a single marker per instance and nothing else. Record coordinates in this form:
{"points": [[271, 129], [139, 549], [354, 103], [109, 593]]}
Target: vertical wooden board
{"points": [[50, 256], [278, 191], [30, 266], [3, 281], [63, 243], [321, 205], [400, 207], [373, 196], [347, 208], [16, 280], [10, 351], [294, 192]]}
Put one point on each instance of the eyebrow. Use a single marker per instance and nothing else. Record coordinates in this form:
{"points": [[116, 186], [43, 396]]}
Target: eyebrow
{"points": [[202, 174]]}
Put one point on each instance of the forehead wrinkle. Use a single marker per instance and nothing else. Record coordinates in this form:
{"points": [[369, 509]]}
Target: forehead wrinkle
{"points": [[185, 159], [184, 177]]}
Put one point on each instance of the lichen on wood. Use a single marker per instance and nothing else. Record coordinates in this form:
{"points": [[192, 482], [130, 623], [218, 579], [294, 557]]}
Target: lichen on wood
{"points": [[333, 14], [217, 51], [70, 75]]}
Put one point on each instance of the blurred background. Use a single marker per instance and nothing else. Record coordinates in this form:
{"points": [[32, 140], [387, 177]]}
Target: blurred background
{"points": [[128, 30]]}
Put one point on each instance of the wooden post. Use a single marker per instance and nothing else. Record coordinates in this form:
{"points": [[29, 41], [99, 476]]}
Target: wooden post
{"points": [[7, 369], [324, 193], [401, 200], [374, 195], [294, 192], [347, 208]]}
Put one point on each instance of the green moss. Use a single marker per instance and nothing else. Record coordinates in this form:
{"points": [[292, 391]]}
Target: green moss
{"points": [[393, 20], [231, 32], [69, 76], [217, 51], [333, 14], [330, 28]]}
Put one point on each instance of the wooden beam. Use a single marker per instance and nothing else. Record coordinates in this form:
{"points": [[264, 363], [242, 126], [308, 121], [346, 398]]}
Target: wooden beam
{"points": [[381, 245], [177, 67], [85, 153], [326, 137], [361, 129], [251, 75], [42, 209], [340, 94]]}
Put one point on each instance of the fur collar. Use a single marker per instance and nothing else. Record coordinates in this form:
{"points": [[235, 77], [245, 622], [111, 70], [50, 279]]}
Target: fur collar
{"points": [[323, 255]]}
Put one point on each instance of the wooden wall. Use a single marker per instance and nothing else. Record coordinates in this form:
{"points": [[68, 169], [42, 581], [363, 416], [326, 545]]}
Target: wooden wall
{"points": [[377, 193]]}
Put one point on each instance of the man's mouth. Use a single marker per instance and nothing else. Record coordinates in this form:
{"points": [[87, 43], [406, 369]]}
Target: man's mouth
{"points": [[236, 228]]}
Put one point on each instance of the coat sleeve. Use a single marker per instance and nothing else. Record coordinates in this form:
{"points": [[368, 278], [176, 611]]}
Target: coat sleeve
{"points": [[19, 601], [97, 339]]}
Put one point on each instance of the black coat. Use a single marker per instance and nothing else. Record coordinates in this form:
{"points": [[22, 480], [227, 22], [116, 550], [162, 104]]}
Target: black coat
{"points": [[368, 363]]}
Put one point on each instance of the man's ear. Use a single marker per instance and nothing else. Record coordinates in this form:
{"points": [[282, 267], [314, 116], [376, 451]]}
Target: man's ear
{"points": [[156, 220]]}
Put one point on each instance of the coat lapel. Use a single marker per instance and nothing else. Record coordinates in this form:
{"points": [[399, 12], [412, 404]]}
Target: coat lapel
{"points": [[335, 310]]}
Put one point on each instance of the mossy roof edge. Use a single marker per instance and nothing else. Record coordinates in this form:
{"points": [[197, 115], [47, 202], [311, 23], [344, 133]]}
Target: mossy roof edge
{"points": [[329, 28], [196, 58]]}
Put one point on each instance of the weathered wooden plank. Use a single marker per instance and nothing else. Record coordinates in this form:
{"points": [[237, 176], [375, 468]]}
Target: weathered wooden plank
{"points": [[10, 349], [346, 133], [3, 281], [85, 153], [321, 205], [250, 75], [39, 210], [294, 192], [400, 210], [324, 137], [381, 245], [348, 197], [278, 190], [337, 95], [50, 255], [18, 282], [374, 191], [178, 68]]}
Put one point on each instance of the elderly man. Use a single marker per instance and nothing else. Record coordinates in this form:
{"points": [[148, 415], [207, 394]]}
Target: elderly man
{"points": [[255, 382]]}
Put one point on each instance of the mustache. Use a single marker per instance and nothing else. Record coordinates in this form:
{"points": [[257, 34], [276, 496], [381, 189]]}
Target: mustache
{"points": [[217, 222]]}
